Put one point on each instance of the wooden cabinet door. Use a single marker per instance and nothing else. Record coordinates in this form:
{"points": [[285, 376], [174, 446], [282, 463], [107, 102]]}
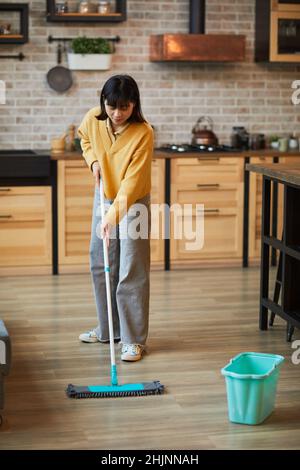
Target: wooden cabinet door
{"points": [[157, 198], [25, 229], [75, 206], [218, 185]]}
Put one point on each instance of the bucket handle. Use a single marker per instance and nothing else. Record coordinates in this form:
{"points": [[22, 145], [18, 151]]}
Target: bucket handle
{"points": [[279, 359]]}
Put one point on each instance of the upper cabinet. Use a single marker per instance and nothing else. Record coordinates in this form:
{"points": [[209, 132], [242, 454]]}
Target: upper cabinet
{"points": [[285, 5], [87, 11], [277, 32], [13, 23]]}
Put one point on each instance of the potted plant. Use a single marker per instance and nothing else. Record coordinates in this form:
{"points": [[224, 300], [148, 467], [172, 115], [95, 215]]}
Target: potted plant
{"points": [[90, 54], [274, 141]]}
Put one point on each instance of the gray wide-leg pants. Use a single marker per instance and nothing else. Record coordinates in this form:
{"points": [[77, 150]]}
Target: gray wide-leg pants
{"points": [[129, 259]]}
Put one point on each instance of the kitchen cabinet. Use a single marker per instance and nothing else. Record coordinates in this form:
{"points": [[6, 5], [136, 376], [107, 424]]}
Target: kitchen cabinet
{"points": [[117, 15], [157, 197], [285, 5], [75, 206], [277, 31], [25, 230], [217, 183], [75, 193]]}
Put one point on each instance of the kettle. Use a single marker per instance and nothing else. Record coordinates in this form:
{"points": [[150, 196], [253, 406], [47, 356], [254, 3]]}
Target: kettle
{"points": [[203, 133]]}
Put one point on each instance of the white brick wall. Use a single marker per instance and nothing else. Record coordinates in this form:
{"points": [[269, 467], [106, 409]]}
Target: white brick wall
{"points": [[257, 96]]}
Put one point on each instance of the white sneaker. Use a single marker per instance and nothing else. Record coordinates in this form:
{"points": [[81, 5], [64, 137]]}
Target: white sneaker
{"points": [[131, 352], [89, 337]]}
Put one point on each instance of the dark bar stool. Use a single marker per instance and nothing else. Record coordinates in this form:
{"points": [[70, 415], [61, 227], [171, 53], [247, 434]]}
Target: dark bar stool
{"points": [[289, 329]]}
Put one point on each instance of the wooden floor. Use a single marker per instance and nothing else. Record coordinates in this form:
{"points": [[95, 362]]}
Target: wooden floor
{"points": [[199, 320]]}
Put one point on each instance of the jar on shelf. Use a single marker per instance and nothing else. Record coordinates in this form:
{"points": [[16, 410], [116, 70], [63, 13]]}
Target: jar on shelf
{"points": [[104, 7], [254, 142], [293, 142], [86, 7], [61, 7]]}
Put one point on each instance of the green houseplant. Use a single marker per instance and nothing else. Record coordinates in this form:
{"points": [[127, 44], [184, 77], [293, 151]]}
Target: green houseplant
{"points": [[90, 54], [274, 141]]}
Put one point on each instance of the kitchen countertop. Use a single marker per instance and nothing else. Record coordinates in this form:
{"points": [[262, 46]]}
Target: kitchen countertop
{"points": [[169, 155], [283, 172]]}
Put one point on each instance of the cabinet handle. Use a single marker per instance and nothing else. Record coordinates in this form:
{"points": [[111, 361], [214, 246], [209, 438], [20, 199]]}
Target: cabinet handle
{"points": [[5, 189], [208, 185], [5, 216], [208, 159], [212, 211]]}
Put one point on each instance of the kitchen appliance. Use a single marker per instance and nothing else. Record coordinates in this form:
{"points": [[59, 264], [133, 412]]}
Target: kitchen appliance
{"points": [[196, 46], [203, 132], [240, 138], [198, 148], [23, 164]]}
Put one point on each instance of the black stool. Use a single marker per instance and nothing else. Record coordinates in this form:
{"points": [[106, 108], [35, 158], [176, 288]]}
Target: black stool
{"points": [[289, 328]]}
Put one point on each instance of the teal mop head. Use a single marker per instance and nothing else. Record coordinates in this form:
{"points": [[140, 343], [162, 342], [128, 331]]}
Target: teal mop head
{"points": [[106, 391]]}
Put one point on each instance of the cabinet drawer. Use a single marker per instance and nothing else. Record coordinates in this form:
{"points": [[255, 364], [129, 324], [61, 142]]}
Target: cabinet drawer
{"points": [[221, 237], [211, 195], [22, 204], [32, 247], [206, 170]]}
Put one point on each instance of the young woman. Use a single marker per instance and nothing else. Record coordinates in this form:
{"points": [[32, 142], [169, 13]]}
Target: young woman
{"points": [[117, 145]]}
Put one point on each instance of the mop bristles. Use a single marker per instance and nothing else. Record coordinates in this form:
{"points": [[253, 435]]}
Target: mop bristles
{"points": [[106, 391]]}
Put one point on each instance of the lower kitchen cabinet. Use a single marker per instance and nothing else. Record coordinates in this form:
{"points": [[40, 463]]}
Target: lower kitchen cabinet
{"points": [[217, 183], [25, 230], [157, 198], [75, 206]]}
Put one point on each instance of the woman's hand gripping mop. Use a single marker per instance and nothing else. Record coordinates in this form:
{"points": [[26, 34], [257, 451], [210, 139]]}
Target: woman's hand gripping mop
{"points": [[113, 390]]}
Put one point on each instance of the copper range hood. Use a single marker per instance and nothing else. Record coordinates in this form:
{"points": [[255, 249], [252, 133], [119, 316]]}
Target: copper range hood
{"points": [[197, 46]]}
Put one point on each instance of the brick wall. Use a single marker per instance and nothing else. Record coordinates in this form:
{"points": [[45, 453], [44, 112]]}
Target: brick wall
{"points": [[257, 96]]}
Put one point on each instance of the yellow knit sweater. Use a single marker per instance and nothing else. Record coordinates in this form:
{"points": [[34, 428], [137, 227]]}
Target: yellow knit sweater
{"points": [[125, 164]]}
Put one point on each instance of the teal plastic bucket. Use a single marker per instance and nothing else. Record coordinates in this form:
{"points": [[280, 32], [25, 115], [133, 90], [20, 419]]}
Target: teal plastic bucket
{"points": [[251, 383]]}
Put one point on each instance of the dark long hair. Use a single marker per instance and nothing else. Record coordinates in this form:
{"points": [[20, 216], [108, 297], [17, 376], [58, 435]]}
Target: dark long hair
{"points": [[118, 91]]}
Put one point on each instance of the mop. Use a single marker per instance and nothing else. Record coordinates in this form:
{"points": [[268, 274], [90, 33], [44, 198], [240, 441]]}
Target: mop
{"points": [[114, 389]]}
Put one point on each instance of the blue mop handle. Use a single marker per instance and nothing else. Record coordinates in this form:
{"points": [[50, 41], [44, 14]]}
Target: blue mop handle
{"points": [[114, 377]]}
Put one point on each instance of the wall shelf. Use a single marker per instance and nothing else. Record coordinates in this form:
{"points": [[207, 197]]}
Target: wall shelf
{"points": [[22, 36], [113, 17]]}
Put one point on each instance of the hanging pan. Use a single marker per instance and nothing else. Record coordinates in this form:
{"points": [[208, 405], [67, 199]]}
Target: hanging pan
{"points": [[59, 78]]}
